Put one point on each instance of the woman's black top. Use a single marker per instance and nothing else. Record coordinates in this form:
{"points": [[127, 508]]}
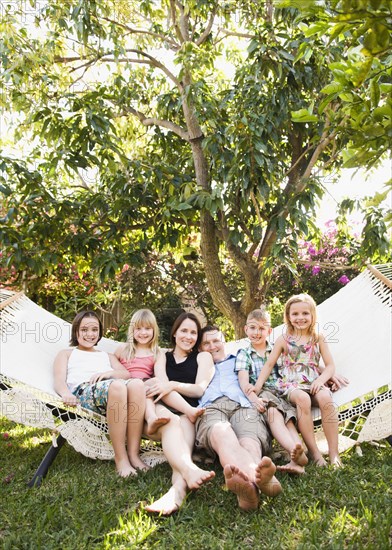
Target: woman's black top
{"points": [[185, 372]]}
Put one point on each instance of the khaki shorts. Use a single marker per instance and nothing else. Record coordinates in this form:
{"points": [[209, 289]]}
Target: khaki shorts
{"points": [[288, 410], [245, 422]]}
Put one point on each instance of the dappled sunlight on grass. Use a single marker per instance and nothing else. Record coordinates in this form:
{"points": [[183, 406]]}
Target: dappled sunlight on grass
{"points": [[84, 504]]}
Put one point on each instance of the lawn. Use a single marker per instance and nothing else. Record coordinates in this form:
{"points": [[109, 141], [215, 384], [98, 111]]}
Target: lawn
{"points": [[83, 504]]}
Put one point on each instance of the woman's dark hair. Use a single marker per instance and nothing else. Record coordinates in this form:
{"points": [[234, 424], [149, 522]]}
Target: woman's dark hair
{"points": [[178, 322], [76, 324]]}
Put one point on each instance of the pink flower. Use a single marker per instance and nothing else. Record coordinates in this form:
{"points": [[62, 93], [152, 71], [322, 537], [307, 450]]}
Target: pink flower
{"points": [[6, 435], [344, 280], [316, 270], [312, 251]]}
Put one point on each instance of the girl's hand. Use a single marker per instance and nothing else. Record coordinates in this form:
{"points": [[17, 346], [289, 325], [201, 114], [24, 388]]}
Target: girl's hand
{"points": [[101, 376], [159, 389], [316, 386], [337, 382], [70, 399]]}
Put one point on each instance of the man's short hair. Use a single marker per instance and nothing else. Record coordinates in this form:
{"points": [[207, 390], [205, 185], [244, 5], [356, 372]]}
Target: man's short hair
{"points": [[209, 328]]}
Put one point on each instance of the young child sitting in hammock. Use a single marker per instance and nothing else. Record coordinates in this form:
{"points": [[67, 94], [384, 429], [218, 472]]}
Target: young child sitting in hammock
{"points": [[96, 380]]}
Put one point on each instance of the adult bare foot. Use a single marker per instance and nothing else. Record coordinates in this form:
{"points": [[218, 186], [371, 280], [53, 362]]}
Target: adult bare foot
{"points": [[194, 415], [195, 477], [239, 483], [153, 425], [298, 455], [265, 477], [124, 468], [169, 503]]}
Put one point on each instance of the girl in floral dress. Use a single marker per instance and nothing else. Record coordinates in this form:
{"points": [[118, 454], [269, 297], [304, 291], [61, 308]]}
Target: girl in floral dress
{"points": [[302, 381]]}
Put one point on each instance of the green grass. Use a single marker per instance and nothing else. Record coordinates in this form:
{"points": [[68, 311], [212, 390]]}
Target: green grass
{"points": [[83, 504]]}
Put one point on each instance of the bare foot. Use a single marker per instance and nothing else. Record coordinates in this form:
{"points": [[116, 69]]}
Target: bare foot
{"points": [[298, 455], [319, 461], [291, 468], [239, 483], [194, 415], [124, 468], [154, 424], [169, 503], [138, 463], [336, 462], [195, 477], [265, 477]]}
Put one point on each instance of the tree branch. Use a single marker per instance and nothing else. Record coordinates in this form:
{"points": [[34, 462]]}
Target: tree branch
{"points": [[153, 121], [173, 45], [203, 37]]}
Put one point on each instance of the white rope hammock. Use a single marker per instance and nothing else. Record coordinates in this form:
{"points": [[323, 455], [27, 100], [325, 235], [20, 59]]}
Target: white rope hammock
{"points": [[356, 320]]}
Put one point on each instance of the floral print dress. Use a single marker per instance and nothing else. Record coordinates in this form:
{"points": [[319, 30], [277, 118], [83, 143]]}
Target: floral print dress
{"points": [[299, 366]]}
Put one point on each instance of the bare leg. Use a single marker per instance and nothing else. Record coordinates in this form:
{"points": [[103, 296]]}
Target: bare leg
{"points": [[177, 438], [136, 400], [116, 414], [287, 436], [305, 423], [329, 419], [177, 402], [153, 422]]}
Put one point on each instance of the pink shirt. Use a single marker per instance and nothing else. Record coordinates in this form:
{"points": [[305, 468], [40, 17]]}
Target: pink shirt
{"points": [[140, 367]]}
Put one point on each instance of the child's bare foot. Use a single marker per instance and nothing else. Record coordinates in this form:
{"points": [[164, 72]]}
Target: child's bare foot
{"points": [[239, 483], [138, 463], [298, 455], [195, 477], [153, 424], [265, 477], [291, 468], [319, 461], [194, 414], [336, 462], [169, 503], [124, 468]]}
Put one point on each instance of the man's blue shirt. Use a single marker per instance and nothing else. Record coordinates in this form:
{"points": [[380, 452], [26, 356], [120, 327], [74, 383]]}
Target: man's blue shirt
{"points": [[224, 384]]}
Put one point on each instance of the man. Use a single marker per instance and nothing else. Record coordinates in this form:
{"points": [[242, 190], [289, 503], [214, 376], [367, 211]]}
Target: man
{"points": [[234, 430]]}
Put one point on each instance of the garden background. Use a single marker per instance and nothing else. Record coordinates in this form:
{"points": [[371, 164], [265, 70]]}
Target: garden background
{"points": [[174, 155]]}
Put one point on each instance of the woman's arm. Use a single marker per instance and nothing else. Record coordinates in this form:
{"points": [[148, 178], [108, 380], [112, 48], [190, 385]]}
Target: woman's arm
{"points": [[60, 377]]}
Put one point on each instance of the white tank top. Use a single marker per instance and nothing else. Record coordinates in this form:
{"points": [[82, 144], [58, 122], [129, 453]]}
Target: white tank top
{"points": [[82, 365]]}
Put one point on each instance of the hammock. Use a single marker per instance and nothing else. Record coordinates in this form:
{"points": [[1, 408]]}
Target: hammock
{"points": [[356, 316], [31, 338]]}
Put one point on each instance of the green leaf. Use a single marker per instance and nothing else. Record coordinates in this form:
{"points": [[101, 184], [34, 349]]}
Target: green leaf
{"points": [[303, 115]]}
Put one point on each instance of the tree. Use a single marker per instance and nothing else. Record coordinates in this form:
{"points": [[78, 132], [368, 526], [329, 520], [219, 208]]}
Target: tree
{"points": [[178, 149]]}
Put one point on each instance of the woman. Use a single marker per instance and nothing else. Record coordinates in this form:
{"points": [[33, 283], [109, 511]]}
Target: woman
{"points": [[185, 370]]}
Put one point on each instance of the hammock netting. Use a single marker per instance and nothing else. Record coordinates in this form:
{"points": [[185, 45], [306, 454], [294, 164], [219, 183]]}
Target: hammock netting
{"points": [[356, 321]]}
